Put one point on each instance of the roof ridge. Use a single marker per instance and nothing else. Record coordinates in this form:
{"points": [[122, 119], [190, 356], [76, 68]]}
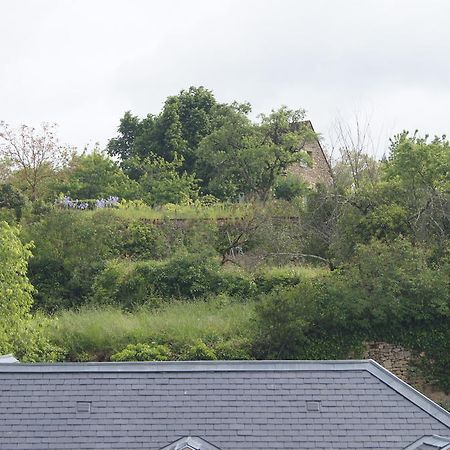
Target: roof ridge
{"points": [[189, 366]]}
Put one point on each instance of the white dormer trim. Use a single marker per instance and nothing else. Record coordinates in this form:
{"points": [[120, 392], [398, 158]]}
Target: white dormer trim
{"points": [[437, 442], [190, 443]]}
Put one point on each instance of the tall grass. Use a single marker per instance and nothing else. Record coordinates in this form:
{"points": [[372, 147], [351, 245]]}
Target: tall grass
{"points": [[213, 212], [95, 333]]}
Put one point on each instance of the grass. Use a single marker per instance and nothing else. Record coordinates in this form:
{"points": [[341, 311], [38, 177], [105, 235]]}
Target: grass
{"points": [[95, 333], [302, 272], [212, 212], [216, 211]]}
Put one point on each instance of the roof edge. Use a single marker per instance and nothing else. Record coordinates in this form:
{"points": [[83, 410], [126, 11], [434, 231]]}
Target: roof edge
{"points": [[408, 392], [188, 366]]}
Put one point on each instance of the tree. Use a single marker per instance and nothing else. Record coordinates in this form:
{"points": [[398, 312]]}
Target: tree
{"points": [[12, 198], [355, 144], [247, 158], [122, 146], [32, 154], [418, 170], [162, 183], [178, 129], [94, 176], [18, 334]]}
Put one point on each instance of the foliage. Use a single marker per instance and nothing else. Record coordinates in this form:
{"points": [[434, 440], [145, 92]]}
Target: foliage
{"points": [[199, 351], [33, 154], [247, 158], [420, 171], [96, 333], [18, 333], [162, 183], [187, 276], [96, 176], [177, 130], [387, 292], [12, 198], [268, 279], [288, 187], [70, 249], [143, 352]]}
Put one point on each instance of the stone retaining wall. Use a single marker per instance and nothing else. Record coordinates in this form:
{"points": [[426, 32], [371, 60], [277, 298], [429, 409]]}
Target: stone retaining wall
{"points": [[393, 357]]}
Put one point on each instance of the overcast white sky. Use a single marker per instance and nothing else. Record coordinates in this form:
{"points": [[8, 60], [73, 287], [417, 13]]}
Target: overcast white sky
{"points": [[83, 63]]}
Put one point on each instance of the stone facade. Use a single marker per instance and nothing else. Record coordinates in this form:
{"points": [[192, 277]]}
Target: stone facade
{"points": [[320, 171]]}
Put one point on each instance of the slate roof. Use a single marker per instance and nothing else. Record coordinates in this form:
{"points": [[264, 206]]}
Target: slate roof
{"points": [[229, 405]]}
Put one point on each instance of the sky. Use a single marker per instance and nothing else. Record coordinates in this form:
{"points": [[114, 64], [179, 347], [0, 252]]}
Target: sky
{"points": [[83, 63]]}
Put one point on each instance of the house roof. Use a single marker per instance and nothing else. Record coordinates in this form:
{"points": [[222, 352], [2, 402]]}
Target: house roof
{"points": [[240, 405]]}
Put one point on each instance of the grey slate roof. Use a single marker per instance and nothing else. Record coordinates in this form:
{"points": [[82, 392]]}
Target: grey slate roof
{"points": [[231, 405]]}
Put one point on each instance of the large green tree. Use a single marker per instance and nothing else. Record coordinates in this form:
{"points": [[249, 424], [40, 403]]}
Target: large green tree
{"points": [[178, 129], [243, 157]]}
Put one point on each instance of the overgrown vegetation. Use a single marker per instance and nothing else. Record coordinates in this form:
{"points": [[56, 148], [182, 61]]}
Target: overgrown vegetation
{"points": [[197, 242]]}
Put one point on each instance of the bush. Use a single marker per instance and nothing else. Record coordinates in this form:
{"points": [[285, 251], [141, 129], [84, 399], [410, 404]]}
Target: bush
{"points": [[70, 249], [19, 332], [143, 352], [289, 186], [199, 351], [143, 240], [268, 279], [387, 292], [130, 283], [234, 349], [311, 321], [12, 199]]}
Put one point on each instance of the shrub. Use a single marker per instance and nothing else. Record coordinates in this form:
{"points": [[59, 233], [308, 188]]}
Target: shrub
{"points": [[234, 349], [310, 321], [129, 283], [184, 276], [143, 352], [268, 279], [289, 186], [70, 249], [388, 292], [143, 240], [12, 199], [19, 333], [199, 351], [125, 283], [236, 283]]}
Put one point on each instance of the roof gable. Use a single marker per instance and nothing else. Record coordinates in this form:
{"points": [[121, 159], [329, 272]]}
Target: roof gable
{"points": [[190, 443]]}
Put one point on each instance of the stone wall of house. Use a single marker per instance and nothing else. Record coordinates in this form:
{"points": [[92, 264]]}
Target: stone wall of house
{"points": [[319, 171]]}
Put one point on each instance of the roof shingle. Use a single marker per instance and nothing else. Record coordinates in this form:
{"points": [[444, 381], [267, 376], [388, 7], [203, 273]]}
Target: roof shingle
{"points": [[232, 405]]}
